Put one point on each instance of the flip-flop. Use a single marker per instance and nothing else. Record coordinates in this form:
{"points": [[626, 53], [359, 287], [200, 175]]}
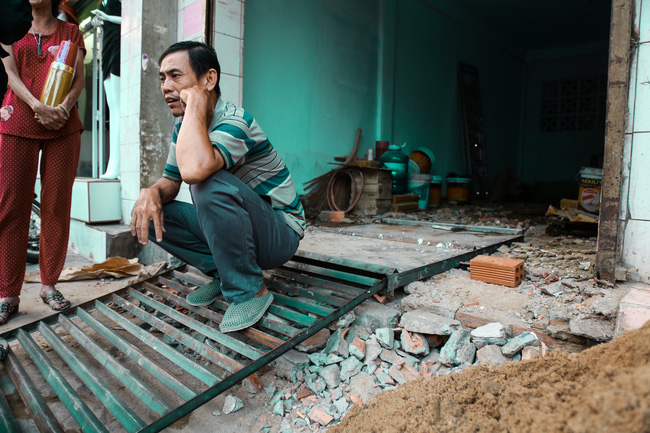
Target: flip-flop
{"points": [[6, 307], [245, 314], [57, 297], [205, 295], [4, 349]]}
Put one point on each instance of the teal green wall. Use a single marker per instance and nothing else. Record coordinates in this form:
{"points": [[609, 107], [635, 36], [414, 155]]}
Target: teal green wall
{"points": [[310, 78], [558, 156], [430, 42]]}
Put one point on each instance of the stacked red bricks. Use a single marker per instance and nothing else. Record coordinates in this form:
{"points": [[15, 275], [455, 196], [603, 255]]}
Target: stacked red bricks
{"points": [[497, 270]]}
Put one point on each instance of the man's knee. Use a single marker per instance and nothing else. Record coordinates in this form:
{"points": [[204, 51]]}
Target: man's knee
{"points": [[218, 188]]}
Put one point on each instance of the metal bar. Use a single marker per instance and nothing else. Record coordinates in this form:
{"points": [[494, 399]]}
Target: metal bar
{"points": [[291, 315], [352, 267], [454, 227], [237, 377], [196, 280], [417, 274], [226, 340], [136, 355], [41, 413], [70, 399], [252, 333], [172, 284], [362, 281], [302, 305], [130, 380], [124, 414], [218, 358], [311, 294], [7, 420], [194, 368], [341, 290]]}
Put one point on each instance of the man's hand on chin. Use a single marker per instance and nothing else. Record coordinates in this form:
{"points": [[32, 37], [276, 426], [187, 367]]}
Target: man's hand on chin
{"points": [[196, 100]]}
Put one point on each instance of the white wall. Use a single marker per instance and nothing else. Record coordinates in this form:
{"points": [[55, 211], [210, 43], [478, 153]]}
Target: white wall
{"points": [[635, 203]]}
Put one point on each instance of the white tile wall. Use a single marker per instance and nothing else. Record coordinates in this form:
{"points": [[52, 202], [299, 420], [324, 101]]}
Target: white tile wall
{"points": [[228, 18], [229, 50], [127, 207], [625, 176], [629, 116], [230, 88], [639, 183], [644, 25], [636, 253], [130, 157], [642, 97]]}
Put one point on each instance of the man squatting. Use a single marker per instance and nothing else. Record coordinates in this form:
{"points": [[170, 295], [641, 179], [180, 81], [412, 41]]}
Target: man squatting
{"points": [[246, 215]]}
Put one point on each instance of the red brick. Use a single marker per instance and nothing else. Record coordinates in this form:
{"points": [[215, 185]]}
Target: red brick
{"points": [[318, 415]]}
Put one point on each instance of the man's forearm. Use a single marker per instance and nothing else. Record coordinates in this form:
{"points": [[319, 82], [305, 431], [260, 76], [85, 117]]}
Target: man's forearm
{"points": [[166, 189]]}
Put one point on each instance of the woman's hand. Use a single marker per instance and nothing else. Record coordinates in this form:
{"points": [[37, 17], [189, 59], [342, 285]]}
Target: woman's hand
{"points": [[52, 118], [99, 14]]}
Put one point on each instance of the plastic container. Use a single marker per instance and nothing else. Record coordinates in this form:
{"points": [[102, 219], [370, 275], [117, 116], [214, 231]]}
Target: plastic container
{"points": [[435, 191], [381, 147], [458, 189], [397, 162], [60, 75], [419, 184], [591, 182], [424, 159]]}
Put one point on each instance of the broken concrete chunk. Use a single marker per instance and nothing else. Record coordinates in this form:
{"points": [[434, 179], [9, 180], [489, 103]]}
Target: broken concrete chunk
{"points": [[594, 329], [375, 315], [519, 342], [433, 356], [384, 378], [560, 314], [554, 289], [426, 322], [418, 286], [605, 306], [358, 348], [341, 405], [350, 367], [285, 427], [320, 358], [362, 332], [466, 354], [426, 302], [387, 356], [232, 404], [364, 386], [344, 321], [386, 337], [414, 343], [331, 375], [449, 352], [315, 343], [287, 364], [373, 349], [492, 333], [336, 345], [337, 393], [315, 383], [371, 368], [402, 372], [490, 355], [317, 414], [278, 408]]}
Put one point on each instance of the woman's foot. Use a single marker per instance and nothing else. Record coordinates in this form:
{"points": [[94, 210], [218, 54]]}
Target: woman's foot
{"points": [[54, 298], [8, 307]]}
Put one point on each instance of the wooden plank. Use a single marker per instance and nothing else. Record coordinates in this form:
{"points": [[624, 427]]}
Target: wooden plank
{"points": [[608, 254]]}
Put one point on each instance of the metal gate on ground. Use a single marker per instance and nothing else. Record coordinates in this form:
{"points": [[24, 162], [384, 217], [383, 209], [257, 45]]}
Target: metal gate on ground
{"points": [[142, 358]]}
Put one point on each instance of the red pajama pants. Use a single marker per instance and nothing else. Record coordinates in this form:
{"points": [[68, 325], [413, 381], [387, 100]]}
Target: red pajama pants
{"points": [[18, 168]]}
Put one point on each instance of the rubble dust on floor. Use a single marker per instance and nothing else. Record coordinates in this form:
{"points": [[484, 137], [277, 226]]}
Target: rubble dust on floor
{"points": [[602, 389]]}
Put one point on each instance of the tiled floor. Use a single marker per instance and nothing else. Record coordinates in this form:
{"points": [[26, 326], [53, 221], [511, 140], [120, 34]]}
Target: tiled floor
{"points": [[634, 309]]}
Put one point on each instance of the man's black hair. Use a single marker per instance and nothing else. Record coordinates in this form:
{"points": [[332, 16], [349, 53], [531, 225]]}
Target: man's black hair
{"points": [[55, 8], [202, 58]]}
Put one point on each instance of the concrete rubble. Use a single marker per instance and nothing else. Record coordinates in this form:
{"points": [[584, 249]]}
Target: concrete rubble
{"points": [[356, 364]]}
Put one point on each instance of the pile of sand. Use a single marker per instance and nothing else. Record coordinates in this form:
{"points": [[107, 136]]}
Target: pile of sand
{"points": [[602, 389]]}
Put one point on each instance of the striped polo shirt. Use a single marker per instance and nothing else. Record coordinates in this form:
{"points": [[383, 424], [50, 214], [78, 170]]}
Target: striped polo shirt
{"points": [[248, 154]]}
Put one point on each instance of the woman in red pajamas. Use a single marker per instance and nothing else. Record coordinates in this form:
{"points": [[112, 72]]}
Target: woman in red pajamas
{"points": [[26, 127]]}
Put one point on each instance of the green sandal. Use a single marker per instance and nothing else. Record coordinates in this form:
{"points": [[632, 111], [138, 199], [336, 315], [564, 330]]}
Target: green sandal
{"points": [[205, 295], [245, 314]]}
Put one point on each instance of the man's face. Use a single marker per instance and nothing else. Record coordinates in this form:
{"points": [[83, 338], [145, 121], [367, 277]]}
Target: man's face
{"points": [[176, 74]]}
